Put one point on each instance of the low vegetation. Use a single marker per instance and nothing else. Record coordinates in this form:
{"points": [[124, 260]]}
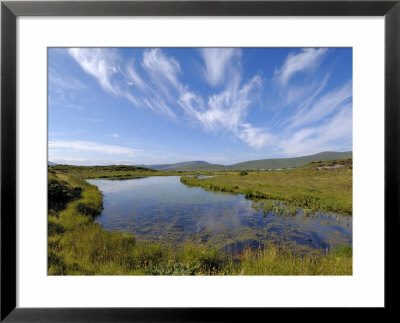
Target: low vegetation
{"points": [[318, 186], [285, 163], [79, 246], [112, 172]]}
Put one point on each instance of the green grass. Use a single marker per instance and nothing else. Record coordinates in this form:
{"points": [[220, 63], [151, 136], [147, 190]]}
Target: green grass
{"points": [[79, 246], [111, 172], [290, 162], [275, 261], [308, 187]]}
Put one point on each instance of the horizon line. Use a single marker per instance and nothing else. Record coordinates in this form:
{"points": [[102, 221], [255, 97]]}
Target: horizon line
{"points": [[188, 161]]}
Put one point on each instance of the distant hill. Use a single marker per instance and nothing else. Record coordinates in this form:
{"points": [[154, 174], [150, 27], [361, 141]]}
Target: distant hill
{"points": [[291, 162], [51, 163], [194, 167], [189, 165], [274, 163], [156, 167]]}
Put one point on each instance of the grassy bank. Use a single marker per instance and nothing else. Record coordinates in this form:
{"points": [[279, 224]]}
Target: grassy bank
{"points": [[318, 186], [79, 246], [110, 172]]}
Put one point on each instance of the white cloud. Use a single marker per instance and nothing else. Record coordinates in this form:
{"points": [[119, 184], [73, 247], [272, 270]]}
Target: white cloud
{"points": [[217, 63], [158, 105], [224, 111], [134, 78], [158, 88], [322, 107], [130, 98], [307, 58], [227, 111], [305, 94], [92, 147], [106, 66], [328, 136], [161, 68], [255, 137], [102, 63]]}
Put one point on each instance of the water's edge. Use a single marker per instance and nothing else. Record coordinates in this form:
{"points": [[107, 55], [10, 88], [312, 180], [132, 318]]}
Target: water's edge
{"points": [[161, 209]]}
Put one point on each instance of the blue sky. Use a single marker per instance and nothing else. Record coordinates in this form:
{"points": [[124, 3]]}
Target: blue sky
{"points": [[221, 105]]}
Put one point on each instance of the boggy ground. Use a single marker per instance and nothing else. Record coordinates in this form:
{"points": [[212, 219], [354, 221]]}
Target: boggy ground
{"points": [[79, 246], [318, 186]]}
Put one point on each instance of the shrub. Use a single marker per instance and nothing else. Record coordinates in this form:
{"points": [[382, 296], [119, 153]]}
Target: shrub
{"points": [[60, 193], [248, 193]]}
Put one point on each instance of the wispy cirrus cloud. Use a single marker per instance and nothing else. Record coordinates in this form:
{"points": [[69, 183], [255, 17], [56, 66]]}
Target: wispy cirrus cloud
{"points": [[304, 94], [161, 68], [134, 78], [102, 63], [226, 112], [218, 63], [307, 58], [322, 107], [255, 137], [306, 112], [117, 78], [315, 119], [158, 105], [326, 136]]}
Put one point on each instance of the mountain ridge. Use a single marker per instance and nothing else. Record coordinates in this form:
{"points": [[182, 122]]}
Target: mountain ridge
{"points": [[269, 163], [259, 164]]}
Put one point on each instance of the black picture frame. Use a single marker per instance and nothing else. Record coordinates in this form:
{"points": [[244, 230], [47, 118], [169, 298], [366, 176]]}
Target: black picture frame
{"points": [[10, 10]]}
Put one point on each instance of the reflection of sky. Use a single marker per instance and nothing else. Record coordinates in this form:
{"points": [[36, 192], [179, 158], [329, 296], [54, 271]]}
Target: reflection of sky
{"points": [[157, 189], [162, 206]]}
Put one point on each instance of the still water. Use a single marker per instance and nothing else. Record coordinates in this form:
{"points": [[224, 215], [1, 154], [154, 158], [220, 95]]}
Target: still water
{"points": [[161, 208]]}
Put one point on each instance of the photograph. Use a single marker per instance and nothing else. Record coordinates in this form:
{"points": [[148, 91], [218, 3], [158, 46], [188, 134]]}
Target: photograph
{"points": [[200, 161]]}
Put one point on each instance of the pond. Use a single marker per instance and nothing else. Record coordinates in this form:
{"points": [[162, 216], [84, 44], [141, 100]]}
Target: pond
{"points": [[162, 209]]}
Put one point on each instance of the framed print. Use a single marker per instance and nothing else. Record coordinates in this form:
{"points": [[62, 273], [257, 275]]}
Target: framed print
{"points": [[161, 158]]}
